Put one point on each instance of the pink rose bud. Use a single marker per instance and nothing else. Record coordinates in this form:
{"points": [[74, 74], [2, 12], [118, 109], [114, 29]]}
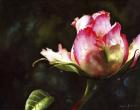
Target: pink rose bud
{"points": [[99, 49]]}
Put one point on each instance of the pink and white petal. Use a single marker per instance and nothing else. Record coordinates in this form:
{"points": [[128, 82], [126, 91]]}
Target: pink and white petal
{"points": [[101, 23], [126, 49], [62, 56], [82, 23], [95, 15], [134, 46], [135, 58], [84, 42], [113, 37]]}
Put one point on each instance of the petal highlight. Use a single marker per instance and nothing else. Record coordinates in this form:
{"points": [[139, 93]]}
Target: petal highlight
{"points": [[84, 42], [101, 23], [113, 36], [82, 23]]}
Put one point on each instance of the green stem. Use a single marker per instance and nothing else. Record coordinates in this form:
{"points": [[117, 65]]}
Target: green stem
{"points": [[89, 91]]}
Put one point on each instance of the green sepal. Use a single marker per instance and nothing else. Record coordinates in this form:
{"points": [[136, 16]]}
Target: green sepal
{"points": [[38, 100], [71, 67]]}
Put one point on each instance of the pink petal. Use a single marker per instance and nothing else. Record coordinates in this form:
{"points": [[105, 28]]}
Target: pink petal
{"points": [[82, 23], [126, 49], [84, 42], [113, 37], [134, 48], [95, 15], [136, 56], [102, 23]]}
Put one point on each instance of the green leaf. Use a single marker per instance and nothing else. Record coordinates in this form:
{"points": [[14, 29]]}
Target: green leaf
{"points": [[38, 100]]}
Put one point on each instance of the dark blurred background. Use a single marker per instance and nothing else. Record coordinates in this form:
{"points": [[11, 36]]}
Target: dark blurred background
{"points": [[27, 26]]}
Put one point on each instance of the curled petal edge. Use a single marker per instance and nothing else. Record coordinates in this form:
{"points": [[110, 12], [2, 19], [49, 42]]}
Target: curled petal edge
{"points": [[133, 47], [95, 15], [131, 63], [135, 58]]}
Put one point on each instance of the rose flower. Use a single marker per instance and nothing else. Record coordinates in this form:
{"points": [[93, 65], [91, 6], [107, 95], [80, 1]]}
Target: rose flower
{"points": [[99, 49]]}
